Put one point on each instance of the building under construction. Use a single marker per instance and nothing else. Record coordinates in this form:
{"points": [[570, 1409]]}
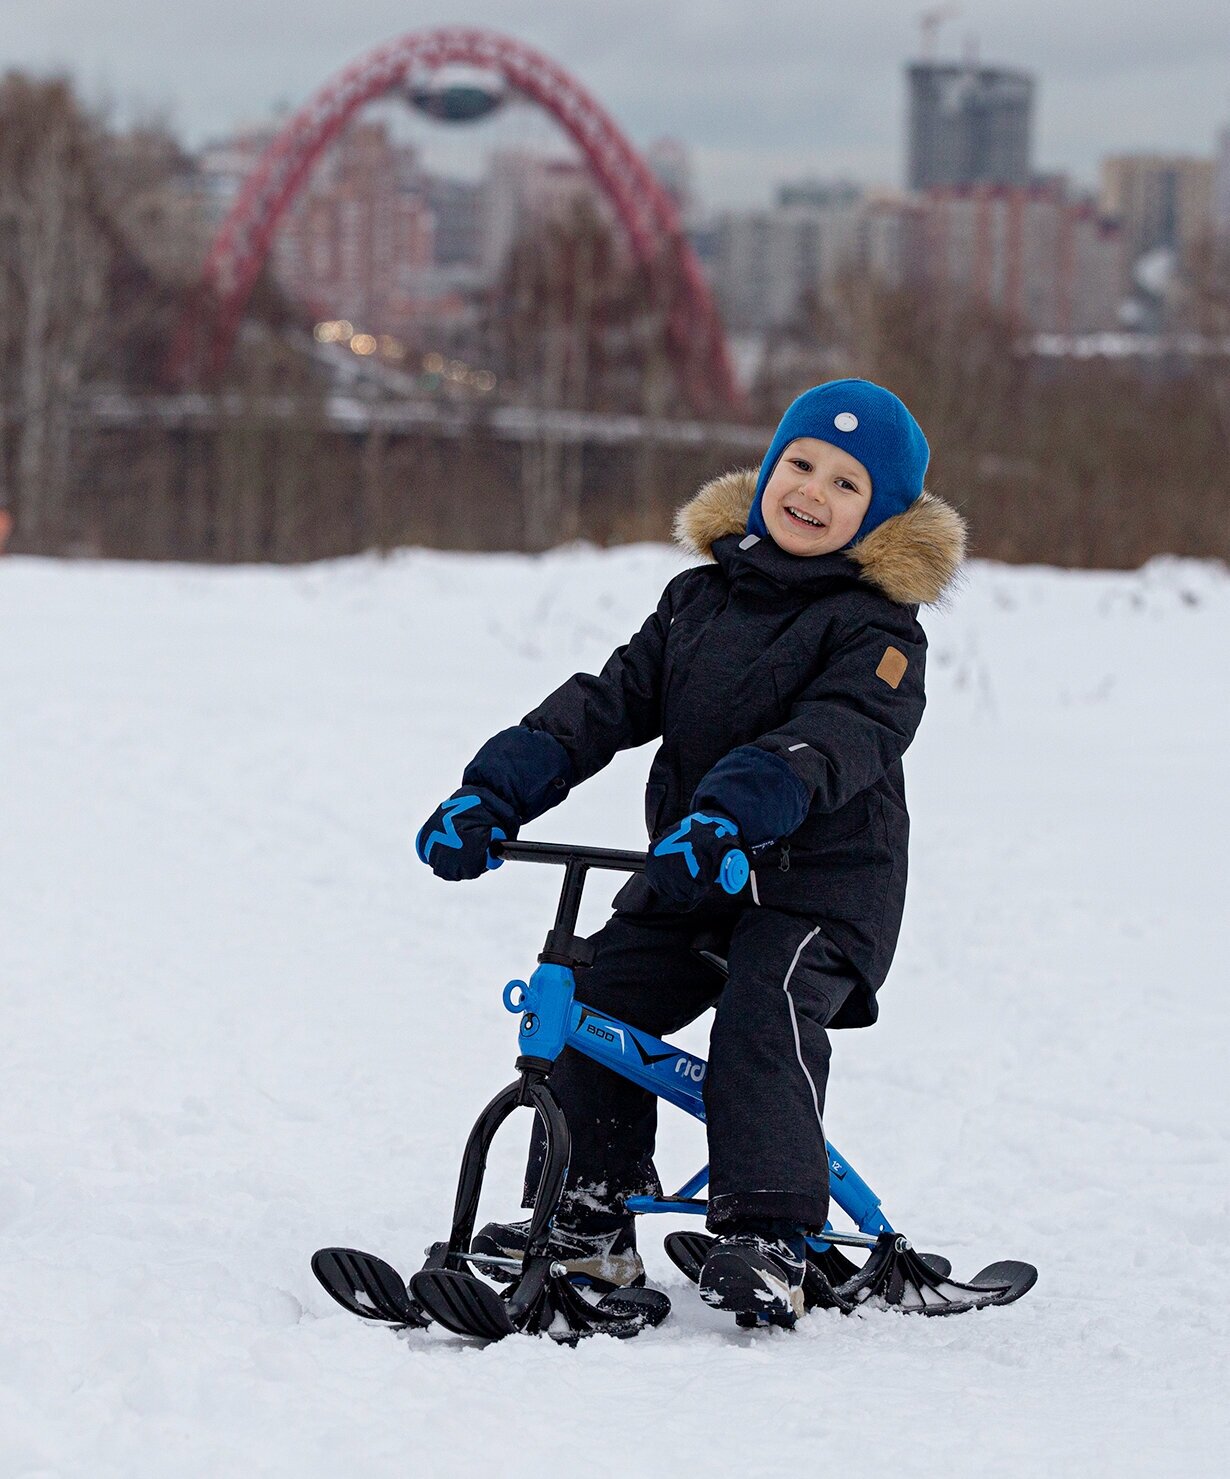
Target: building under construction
{"points": [[968, 125]]}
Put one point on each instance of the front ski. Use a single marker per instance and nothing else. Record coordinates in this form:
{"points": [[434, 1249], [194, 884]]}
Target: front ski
{"points": [[462, 1303], [367, 1286], [904, 1280], [543, 1301], [894, 1274]]}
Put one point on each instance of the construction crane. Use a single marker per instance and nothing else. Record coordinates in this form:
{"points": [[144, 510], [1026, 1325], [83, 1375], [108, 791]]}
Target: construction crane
{"points": [[929, 23]]}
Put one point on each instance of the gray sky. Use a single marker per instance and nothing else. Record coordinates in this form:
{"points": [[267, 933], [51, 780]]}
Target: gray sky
{"points": [[759, 91]]}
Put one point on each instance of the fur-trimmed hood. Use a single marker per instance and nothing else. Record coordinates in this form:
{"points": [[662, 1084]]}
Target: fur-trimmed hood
{"points": [[913, 557]]}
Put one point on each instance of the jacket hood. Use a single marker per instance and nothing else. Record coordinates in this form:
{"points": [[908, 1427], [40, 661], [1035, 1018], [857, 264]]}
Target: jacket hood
{"points": [[913, 557]]}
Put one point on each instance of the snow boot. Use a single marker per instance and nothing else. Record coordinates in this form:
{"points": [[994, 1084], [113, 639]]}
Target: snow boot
{"points": [[756, 1272], [606, 1257]]}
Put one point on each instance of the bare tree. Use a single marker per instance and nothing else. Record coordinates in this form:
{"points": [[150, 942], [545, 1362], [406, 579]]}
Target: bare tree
{"points": [[575, 325], [54, 262]]}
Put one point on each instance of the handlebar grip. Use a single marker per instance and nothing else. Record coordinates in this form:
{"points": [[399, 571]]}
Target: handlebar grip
{"points": [[735, 871]]}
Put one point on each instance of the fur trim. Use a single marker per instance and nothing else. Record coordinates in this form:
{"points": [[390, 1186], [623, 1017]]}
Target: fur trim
{"points": [[721, 507], [913, 557]]}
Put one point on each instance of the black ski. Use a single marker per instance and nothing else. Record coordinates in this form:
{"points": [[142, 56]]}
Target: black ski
{"points": [[541, 1303], [917, 1283], [462, 1303], [367, 1286]]}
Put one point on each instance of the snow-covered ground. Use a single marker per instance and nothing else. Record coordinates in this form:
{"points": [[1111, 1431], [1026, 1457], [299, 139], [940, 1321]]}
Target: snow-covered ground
{"points": [[241, 1021]]}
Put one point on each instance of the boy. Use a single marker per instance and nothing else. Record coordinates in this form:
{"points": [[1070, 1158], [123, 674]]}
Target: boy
{"points": [[785, 681]]}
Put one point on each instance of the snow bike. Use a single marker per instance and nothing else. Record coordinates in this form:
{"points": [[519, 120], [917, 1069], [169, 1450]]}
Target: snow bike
{"points": [[539, 1297]]}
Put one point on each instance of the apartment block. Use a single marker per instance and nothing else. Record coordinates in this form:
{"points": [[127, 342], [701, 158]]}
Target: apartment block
{"points": [[1160, 200], [1050, 263]]}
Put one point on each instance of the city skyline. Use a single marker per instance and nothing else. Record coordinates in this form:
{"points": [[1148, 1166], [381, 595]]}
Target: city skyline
{"points": [[830, 86]]}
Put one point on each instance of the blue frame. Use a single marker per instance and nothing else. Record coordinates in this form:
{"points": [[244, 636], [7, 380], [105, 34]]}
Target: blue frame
{"points": [[551, 1019]]}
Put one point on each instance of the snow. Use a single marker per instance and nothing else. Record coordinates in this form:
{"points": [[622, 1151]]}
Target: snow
{"points": [[241, 1021]]}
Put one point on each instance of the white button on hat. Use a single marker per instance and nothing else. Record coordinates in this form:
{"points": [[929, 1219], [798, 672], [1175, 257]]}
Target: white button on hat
{"points": [[846, 421]]}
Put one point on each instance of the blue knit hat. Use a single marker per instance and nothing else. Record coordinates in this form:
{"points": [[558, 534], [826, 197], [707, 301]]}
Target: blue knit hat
{"points": [[871, 424]]}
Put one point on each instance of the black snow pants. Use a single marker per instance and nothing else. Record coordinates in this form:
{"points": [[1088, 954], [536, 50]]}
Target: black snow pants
{"points": [[768, 1062]]}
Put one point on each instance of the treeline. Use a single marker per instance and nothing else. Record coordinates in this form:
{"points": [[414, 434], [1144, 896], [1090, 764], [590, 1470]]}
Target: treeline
{"points": [[1099, 462], [81, 304], [1083, 462]]}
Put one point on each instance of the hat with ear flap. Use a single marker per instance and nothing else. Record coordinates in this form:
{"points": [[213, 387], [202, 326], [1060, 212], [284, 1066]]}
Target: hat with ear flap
{"points": [[870, 423]]}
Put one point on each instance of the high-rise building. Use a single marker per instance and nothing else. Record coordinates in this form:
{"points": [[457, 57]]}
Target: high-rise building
{"points": [[968, 125], [223, 165], [1221, 185], [767, 264], [457, 206], [672, 164], [1048, 263], [522, 189], [358, 232], [819, 194], [1162, 202], [893, 229]]}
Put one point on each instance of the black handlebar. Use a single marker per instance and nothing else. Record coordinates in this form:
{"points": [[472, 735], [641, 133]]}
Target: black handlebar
{"points": [[617, 860]]}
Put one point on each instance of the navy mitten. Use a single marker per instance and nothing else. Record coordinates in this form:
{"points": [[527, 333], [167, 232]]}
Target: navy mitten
{"points": [[758, 790], [528, 768], [455, 839], [750, 798], [685, 864], [516, 776]]}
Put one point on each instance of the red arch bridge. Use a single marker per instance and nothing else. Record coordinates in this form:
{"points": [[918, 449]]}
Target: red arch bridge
{"points": [[696, 340]]}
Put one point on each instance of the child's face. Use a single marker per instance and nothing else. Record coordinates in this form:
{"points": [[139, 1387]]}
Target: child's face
{"points": [[816, 497]]}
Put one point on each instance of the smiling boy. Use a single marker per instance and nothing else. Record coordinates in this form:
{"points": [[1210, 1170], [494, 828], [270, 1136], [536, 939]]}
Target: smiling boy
{"points": [[784, 678], [816, 498]]}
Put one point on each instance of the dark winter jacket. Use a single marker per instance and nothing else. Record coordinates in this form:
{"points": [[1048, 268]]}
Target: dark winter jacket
{"points": [[818, 660]]}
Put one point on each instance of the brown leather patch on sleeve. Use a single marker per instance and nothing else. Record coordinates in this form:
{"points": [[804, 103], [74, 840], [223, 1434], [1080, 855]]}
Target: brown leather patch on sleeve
{"points": [[892, 666]]}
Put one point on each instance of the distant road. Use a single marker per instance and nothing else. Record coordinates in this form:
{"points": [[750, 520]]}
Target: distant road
{"points": [[350, 413]]}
